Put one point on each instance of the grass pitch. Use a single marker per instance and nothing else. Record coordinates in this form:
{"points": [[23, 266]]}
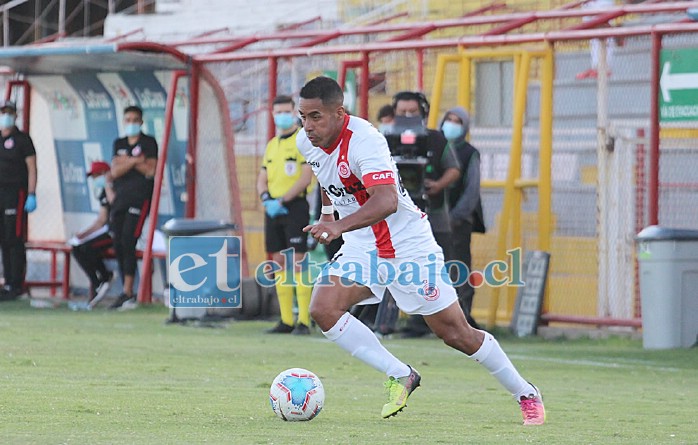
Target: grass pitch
{"points": [[128, 378]]}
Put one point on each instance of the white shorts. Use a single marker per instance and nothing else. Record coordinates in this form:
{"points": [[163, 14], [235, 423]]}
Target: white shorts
{"points": [[419, 285]]}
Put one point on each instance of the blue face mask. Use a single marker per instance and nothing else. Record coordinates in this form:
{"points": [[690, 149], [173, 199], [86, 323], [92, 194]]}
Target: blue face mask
{"points": [[385, 128], [7, 120], [132, 129], [452, 130], [283, 121], [100, 182]]}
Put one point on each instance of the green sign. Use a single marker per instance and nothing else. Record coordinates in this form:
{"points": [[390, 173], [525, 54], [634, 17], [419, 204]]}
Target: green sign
{"points": [[678, 97]]}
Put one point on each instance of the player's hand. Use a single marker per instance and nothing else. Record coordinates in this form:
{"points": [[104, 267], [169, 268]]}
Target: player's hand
{"points": [[30, 203], [274, 208], [324, 231]]}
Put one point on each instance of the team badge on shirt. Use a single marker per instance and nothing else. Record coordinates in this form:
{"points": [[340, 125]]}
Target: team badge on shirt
{"points": [[9, 143], [343, 169], [290, 167], [136, 151], [429, 291]]}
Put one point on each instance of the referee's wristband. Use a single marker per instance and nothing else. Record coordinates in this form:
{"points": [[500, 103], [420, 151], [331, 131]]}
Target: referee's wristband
{"points": [[265, 196], [327, 210]]}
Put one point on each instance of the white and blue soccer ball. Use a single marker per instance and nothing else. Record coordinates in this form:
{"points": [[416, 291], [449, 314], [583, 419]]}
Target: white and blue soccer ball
{"points": [[297, 394]]}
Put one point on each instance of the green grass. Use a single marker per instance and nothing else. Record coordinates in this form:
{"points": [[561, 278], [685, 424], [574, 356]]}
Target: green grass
{"points": [[128, 378]]}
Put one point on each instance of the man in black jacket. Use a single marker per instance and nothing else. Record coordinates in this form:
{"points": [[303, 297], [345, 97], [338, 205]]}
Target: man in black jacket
{"points": [[464, 198]]}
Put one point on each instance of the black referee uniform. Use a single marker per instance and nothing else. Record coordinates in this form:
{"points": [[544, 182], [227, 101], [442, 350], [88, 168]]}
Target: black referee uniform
{"points": [[15, 148], [133, 192]]}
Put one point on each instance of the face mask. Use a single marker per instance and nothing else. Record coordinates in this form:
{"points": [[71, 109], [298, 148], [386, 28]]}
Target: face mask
{"points": [[385, 128], [7, 120], [283, 121], [132, 129], [100, 182], [452, 130]]}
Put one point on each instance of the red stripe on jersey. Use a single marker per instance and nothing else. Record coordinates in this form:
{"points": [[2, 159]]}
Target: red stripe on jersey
{"points": [[141, 219], [380, 229], [19, 221], [379, 178]]}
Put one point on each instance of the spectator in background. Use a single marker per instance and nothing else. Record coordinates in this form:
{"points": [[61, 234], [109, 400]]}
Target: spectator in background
{"points": [[17, 199], [133, 170], [90, 244], [464, 199], [282, 184], [386, 117]]}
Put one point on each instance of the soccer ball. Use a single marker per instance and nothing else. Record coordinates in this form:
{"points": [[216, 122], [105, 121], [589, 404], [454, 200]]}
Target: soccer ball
{"points": [[296, 394]]}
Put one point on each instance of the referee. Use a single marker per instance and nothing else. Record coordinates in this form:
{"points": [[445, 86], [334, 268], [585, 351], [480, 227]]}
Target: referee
{"points": [[282, 184], [17, 198]]}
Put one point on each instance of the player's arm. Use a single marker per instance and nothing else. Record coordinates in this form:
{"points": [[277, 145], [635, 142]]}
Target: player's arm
{"points": [[382, 202], [121, 164], [262, 184], [148, 162], [31, 170], [300, 185], [146, 166]]}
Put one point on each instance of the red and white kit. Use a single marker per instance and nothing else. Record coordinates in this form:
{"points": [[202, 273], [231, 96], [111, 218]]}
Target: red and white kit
{"points": [[358, 159]]}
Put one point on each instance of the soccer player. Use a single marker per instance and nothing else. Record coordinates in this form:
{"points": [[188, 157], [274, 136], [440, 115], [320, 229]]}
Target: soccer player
{"points": [[352, 162]]}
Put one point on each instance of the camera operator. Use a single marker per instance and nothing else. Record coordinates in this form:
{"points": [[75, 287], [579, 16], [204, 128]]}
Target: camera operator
{"points": [[441, 170]]}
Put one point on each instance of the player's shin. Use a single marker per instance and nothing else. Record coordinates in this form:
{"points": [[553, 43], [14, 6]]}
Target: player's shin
{"points": [[491, 356], [357, 339]]}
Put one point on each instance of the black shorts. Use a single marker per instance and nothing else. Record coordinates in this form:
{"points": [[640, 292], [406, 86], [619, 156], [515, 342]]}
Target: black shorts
{"points": [[286, 231]]}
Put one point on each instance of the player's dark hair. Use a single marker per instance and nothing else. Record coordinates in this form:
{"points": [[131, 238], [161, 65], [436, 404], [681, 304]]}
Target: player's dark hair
{"points": [[283, 99], [386, 111], [134, 109], [416, 96], [324, 88]]}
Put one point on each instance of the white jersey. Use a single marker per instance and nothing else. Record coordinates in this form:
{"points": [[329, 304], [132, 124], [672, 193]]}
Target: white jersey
{"points": [[359, 159]]}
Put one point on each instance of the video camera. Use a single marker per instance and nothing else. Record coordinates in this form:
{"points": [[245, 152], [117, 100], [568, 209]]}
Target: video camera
{"points": [[408, 145]]}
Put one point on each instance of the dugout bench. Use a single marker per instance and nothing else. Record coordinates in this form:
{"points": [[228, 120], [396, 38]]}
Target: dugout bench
{"points": [[59, 248]]}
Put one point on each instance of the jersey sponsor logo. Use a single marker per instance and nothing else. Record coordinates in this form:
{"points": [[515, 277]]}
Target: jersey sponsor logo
{"points": [[121, 152], [134, 210], [430, 291], [315, 164], [343, 169], [382, 175], [339, 192], [9, 143], [136, 151]]}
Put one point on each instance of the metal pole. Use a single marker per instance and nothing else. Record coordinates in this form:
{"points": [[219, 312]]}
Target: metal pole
{"points": [[653, 192], [85, 18], [61, 17], [145, 285], [363, 93], [6, 27], [111, 9], [194, 79], [273, 75], [603, 159]]}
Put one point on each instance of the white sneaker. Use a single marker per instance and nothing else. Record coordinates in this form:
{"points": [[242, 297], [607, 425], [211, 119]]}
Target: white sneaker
{"points": [[129, 305]]}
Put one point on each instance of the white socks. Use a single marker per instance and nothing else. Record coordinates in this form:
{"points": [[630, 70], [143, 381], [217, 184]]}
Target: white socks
{"points": [[357, 339], [491, 356]]}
